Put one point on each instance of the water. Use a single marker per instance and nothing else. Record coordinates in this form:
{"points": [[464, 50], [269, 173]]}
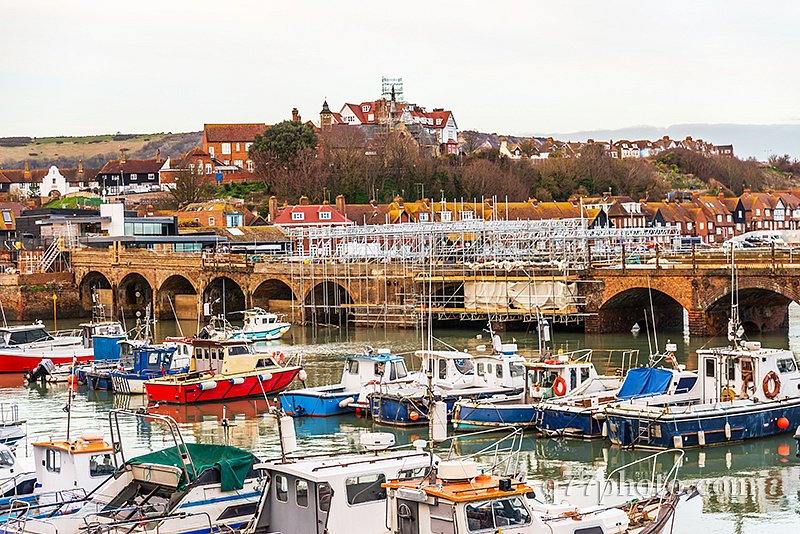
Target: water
{"points": [[744, 487]]}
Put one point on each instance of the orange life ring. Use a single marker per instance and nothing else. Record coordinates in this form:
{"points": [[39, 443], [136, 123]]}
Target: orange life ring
{"points": [[727, 395], [560, 386], [281, 358], [771, 385]]}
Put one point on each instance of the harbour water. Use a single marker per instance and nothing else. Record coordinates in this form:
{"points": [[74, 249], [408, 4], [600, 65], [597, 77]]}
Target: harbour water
{"points": [[743, 487]]}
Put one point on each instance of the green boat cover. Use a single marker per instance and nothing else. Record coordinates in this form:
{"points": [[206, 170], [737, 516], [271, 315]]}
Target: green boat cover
{"points": [[232, 463]]}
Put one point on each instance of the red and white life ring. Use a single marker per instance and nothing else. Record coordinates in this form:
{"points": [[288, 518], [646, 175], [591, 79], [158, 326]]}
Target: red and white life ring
{"points": [[771, 385], [560, 386]]}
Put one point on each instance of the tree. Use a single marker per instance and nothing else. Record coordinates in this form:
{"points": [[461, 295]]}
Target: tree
{"points": [[190, 188], [285, 157], [470, 140]]}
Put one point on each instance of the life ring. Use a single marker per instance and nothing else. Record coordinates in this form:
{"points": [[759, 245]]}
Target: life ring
{"points": [[727, 395], [771, 385], [281, 358], [560, 386]]}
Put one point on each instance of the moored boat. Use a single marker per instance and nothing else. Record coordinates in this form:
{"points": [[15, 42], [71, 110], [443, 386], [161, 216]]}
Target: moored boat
{"points": [[370, 370], [23, 347], [261, 325], [223, 369], [148, 363]]}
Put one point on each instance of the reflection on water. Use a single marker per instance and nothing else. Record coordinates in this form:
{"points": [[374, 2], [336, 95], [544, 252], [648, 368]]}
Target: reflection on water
{"points": [[743, 486]]}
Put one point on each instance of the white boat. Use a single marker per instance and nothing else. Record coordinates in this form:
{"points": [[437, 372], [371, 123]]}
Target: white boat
{"points": [[185, 488], [23, 347], [261, 325]]}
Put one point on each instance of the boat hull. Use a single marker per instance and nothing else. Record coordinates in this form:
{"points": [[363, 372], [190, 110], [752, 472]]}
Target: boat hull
{"points": [[174, 391], [398, 410], [571, 423], [316, 403], [469, 416], [654, 432], [96, 380], [127, 385], [25, 362], [268, 335]]}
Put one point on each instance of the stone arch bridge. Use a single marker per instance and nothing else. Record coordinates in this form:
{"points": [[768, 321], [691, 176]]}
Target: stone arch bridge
{"points": [[612, 300]]}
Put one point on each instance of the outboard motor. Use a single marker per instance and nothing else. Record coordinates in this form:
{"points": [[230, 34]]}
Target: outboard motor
{"points": [[43, 370]]}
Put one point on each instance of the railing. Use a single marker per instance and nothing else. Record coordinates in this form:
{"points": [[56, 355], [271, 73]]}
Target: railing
{"points": [[670, 480]]}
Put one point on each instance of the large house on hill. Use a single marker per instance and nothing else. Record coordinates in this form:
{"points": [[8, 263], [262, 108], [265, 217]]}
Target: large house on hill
{"points": [[230, 143], [130, 175]]}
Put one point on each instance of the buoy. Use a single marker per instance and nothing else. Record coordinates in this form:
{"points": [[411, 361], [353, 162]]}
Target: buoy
{"points": [[413, 415], [205, 386], [701, 438], [727, 430], [302, 375], [604, 431], [783, 423], [677, 441], [237, 381], [344, 403], [265, 377]]}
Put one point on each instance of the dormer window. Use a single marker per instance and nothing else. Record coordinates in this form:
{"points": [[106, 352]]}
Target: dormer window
{"points": [[298, 216], [445, 216], [438, 122], [423, 217], [364, 109], [324, 216]]}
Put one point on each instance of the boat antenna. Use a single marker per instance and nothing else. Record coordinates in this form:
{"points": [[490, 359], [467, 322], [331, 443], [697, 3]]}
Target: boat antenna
{"points": [[647, 327], [175, 314], [734, 325], [70, 392]]}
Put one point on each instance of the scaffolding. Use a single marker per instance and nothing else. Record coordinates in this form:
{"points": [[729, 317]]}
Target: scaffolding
{"points": [[466, 270]]}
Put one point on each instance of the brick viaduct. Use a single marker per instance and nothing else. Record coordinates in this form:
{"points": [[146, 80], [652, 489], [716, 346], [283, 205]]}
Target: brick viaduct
{"points": [[613, 299]]}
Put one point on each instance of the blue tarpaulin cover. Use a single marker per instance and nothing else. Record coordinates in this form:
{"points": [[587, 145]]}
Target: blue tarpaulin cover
{"points": [[644, 381]]}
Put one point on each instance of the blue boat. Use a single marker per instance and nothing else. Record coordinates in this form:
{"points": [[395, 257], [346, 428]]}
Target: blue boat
{"points": [[361, 372], [453, 376], [148, 363], [564, 376], [743, 392]]}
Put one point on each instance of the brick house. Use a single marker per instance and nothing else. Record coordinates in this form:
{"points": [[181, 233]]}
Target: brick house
{"points": [[230, 143]]}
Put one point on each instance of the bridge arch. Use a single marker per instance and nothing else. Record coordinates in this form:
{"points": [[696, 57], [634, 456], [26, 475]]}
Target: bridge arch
{"points": [[95, 282], [274, 295], [326, 303], [224, 295], [763, 305], [179, 293], [134, 294], [621, 311]]}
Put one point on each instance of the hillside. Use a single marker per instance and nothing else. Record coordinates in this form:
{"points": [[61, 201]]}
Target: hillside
{"points": [[94, 150]]}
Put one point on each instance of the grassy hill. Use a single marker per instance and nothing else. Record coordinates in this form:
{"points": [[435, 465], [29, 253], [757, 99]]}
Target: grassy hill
{"points": [[94, 150]]}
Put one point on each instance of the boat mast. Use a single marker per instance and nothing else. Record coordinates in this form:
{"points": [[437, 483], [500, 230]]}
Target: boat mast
{"points": [[734, 325]]}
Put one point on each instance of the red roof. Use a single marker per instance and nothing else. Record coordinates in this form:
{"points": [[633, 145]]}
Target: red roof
{"points": [[224, 133], [438, 118], [310, 216]]}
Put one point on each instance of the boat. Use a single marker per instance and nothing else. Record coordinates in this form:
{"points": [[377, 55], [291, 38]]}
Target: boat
{"points": [[23, 347], [370, 370], [261, 325], [451, 376], [14, 480], [223, 369], [185, 488], [12, 428], [148, 363], [335, 493], [567, 374]]}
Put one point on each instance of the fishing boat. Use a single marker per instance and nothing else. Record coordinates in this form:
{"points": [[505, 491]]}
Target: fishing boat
{"points": [[261, 325], [14, 480], [223, 369], [451, 376], [370, 370], [335, 493], [23, 347], [148, 363], [744, 391], [185, 488]]}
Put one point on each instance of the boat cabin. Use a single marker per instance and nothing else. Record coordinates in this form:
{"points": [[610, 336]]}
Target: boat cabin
{"points": [[458, 370], [382, 367], [24, 334], [225, 357], [105, 338], [747, 371], [332, 494], [156, 361], [83, 463], [257, 319], [559, 376]]}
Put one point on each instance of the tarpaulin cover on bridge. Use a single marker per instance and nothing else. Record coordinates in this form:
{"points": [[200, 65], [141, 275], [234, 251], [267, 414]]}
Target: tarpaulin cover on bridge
{"points": [[232, 463], [527, 295], [643, 381]]}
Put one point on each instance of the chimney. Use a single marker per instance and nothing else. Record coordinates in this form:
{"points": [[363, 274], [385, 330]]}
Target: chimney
{"points": [[27, 173], [149, 209], [303, 201], [295, 115], [535, 202], [158, 155], [721, 196], [122, 157], [340, 205], [665, 138], [373, 203], [80, 166], [695, 195], [273, 208], [399, 201], [746, 190]]}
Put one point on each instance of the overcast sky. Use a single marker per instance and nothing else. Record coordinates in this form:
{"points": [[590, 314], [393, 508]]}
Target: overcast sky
{"points": [[99, 66]]}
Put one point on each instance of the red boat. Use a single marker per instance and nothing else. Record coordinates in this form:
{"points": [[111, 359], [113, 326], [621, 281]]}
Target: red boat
{"points": [[222, 370], [23, 347]]}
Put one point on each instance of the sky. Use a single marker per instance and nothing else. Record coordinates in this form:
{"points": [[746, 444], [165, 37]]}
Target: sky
{"points": [[100, 66]]}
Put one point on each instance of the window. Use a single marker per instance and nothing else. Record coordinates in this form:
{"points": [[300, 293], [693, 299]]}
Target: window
{"points": [[324, 494], [758, 212], [151, 176], [226, 149], [446, 216], [398, 371], [209, 169], [211, 151], [6, 458], [493, 515], [239, 510], [238, 163], [710, 370], [573, 378], [787, 366], [352, 367], [438, 122], [298, 216], [590, 530], [442, 369], [464, 366], [247, 146], [100, 465], [423, 217], [498, 369], [584, 374], [481, 369], [364, 109], [212, 221], [250, 165], [301, 493], [371, 117], [365, 488], [281, 488], [701, 225], [134, 177], [53, 461], [324, 216], [238, 147], [516, 369]]}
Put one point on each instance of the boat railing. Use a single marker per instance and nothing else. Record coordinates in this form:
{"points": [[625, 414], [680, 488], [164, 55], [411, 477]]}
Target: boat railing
{"points": [[9, 414], [14, 480], [70, 332], [49, 503], [669, 482], [150, 524], [172, 426], [503, 453]]}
